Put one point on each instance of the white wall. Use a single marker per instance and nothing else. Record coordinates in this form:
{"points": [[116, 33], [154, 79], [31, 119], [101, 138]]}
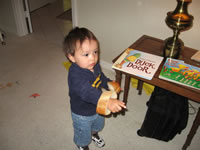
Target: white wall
{"points": [[7, 18], [12, 17], [117, 24]]}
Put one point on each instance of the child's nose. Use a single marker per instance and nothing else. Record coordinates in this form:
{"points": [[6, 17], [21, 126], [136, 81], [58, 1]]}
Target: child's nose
{"points": [[93, 56]]}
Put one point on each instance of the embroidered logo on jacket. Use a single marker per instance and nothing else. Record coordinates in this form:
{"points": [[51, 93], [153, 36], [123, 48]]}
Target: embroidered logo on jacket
{"points": [[97, 82]]}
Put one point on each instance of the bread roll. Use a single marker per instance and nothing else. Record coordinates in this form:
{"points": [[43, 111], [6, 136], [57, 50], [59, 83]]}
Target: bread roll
{"points": [[103, 101], [114, 86]]}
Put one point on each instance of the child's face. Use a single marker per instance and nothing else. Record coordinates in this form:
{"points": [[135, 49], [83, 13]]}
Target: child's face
{"points": [[86, 55]]}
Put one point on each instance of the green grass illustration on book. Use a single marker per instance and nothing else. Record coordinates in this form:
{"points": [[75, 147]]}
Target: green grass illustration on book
{"points": [[180, 72]]}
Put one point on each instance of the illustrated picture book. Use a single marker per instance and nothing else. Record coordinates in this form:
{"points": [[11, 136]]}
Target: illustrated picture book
{"points": [[138, 63], [179, 72]]}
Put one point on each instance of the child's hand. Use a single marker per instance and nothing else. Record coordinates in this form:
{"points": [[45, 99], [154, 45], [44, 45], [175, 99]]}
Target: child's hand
{"points": [[115, 105]]}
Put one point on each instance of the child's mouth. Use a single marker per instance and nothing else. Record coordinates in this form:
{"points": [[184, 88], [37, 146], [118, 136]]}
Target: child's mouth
{"points": [[92, 65]]}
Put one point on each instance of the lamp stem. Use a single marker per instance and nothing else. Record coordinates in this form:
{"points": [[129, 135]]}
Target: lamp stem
{"points": [[175, 38]]}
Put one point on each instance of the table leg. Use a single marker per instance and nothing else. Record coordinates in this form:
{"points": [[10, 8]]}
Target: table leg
{"points": [[126, 88], [118, 76], [192, 132], [139, 87], [118, 79]]}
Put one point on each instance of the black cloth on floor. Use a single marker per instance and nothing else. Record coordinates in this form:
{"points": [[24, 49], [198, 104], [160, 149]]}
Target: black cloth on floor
{"points": [[167, 115]]}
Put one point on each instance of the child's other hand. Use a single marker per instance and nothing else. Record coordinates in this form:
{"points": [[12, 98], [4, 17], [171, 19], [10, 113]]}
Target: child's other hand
{"points": [[115, 105]]}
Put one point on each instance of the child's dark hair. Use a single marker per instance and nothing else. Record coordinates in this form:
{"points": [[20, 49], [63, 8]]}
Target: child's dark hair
{"points": [[77, 35]]}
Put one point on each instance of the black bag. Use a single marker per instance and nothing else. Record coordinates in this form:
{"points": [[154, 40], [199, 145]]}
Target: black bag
{"points": [[166, 116]]}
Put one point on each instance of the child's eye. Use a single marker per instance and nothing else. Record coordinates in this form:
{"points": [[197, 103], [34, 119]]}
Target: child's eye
{"points": [[86, 55], [96, 52]]}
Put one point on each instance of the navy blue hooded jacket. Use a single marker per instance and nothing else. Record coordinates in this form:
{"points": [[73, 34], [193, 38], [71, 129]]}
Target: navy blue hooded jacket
{"points": [[85, 89]]}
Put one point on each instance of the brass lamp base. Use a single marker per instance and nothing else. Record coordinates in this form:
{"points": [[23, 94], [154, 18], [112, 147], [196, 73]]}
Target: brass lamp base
{"points": [[172, 47], [178, 20]]}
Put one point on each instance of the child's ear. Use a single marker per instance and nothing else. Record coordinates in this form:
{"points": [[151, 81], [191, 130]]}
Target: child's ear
{"points": [[71, 58]]}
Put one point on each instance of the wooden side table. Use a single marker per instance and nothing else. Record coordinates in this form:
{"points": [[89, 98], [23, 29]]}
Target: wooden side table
{"points": [[192, 132], [155, 46]]}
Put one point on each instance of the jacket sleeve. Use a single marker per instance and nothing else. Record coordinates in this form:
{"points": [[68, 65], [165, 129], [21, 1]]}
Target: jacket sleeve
{"points": [[105, 81]]}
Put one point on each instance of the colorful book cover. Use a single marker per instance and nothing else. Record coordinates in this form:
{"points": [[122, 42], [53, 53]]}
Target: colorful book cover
{"points": [[138, 63], [179, 72]]}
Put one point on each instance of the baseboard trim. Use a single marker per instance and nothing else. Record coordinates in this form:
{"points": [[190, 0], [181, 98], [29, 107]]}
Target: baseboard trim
{"points": [[106, 65]]}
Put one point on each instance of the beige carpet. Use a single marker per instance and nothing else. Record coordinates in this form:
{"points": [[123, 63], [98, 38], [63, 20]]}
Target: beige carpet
{"points": [[44, 123]]}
